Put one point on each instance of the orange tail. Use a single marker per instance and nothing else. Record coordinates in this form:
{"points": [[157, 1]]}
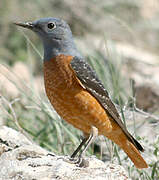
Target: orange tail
{"points": [[134, 155], [122, 141]]}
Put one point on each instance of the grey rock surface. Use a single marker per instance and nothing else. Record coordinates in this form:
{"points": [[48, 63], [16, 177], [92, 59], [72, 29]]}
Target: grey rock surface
{"points": [[21, 159]]}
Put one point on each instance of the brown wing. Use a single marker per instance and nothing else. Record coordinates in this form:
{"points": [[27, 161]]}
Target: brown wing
{"points": [[90, 81]]}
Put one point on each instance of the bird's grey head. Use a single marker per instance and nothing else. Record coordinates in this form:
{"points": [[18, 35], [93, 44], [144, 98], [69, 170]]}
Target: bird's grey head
{"points": [[56, 36]]}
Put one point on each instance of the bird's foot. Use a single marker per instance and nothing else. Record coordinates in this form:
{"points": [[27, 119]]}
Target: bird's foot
{"points": [[79, 161]]}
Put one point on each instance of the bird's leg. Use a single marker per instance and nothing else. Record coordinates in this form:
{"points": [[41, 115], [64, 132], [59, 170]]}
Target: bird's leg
{"points": [[92, 137], [79, 147], [87, 141]]}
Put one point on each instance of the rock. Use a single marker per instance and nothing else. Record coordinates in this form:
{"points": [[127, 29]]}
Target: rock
{"points": [[21, 159], [147, 98]]}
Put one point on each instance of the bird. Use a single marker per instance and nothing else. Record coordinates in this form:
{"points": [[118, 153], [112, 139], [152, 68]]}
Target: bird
{"points": [[75, 91]]}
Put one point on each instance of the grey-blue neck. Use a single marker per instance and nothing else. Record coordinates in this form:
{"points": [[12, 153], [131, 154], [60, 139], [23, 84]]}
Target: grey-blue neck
{"points": [[55, 47]]}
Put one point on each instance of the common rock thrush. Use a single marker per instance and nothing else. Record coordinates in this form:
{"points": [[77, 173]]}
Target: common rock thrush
{"points": [[75, 91]]}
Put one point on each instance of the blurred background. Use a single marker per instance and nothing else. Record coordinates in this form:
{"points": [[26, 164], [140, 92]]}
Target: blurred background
{"points": [[119, 38]]}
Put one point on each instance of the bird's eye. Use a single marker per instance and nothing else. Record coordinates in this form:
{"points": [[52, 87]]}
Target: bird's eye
{"points": [[51, 25]]}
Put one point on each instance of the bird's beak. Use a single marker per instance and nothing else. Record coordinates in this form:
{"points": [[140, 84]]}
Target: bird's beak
{"points": [[28, 25]]}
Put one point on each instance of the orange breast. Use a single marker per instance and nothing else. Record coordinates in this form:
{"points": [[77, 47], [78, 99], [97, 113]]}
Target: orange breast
{"points": [[71, 101]]}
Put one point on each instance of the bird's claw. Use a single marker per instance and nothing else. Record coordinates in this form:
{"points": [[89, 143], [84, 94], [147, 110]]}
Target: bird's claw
{"points": [[79, 161]]}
